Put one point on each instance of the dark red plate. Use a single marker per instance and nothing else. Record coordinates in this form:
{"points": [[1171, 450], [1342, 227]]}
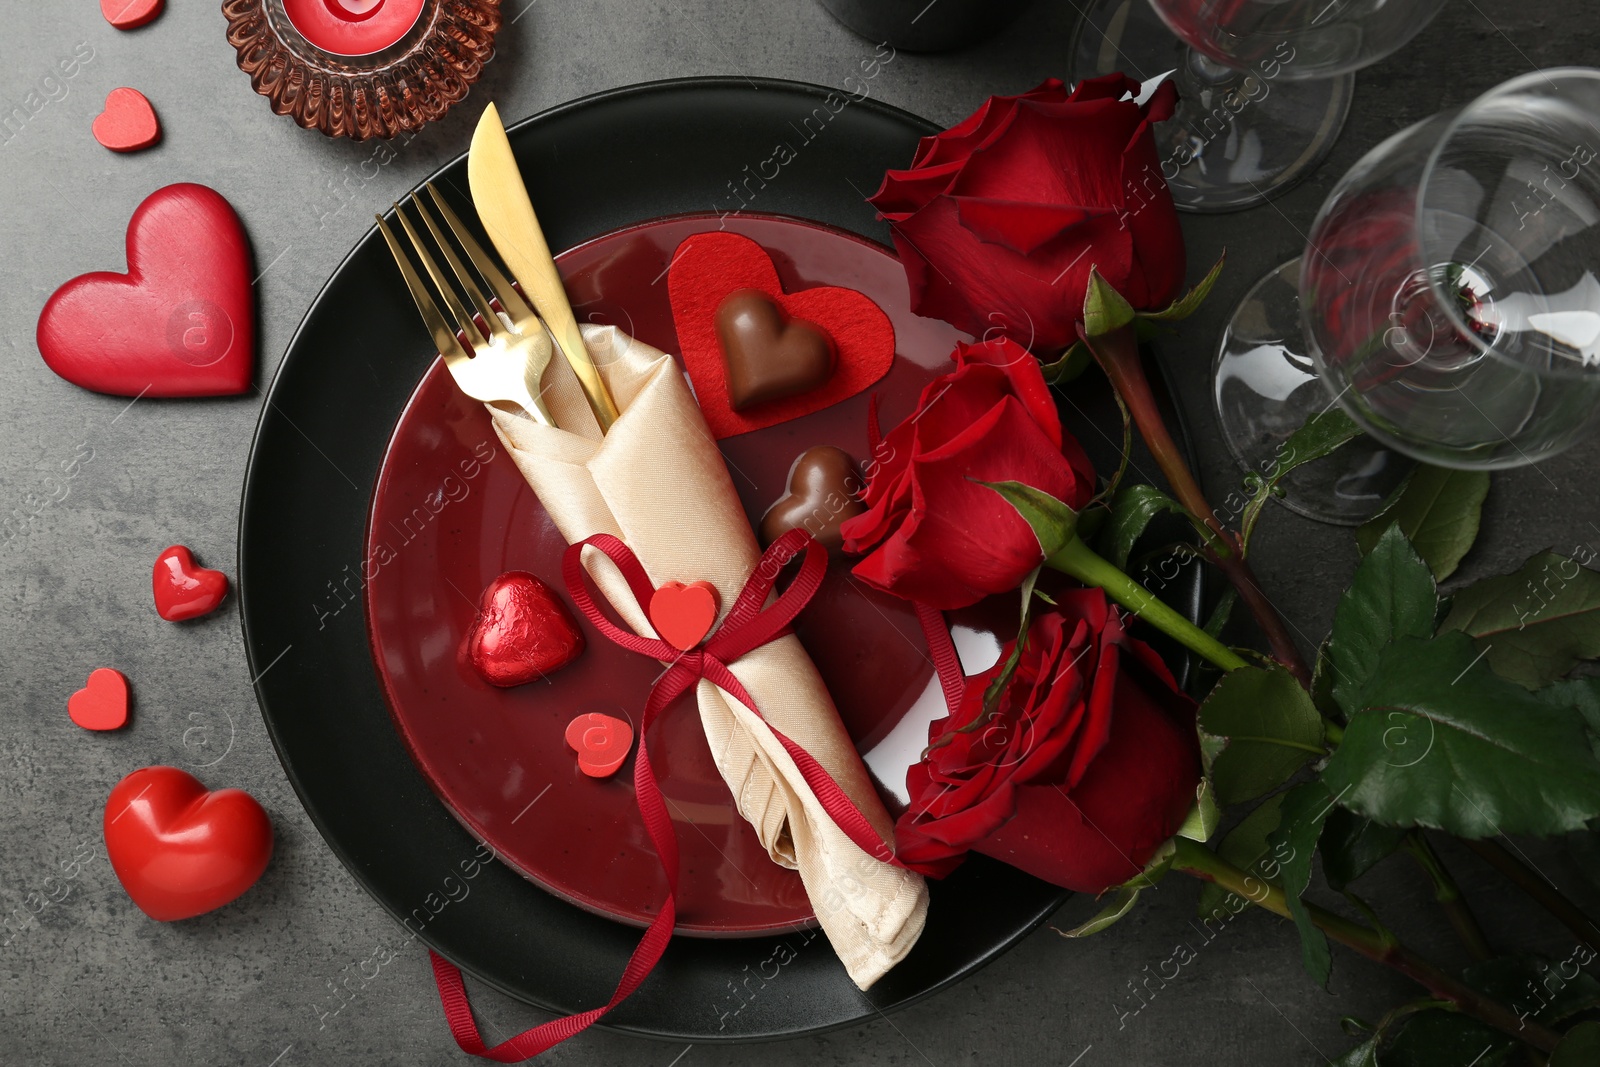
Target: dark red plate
{"points": [[451, 512]]}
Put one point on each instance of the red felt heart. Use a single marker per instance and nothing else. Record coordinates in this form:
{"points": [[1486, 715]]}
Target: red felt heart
{"points": [[709, 266], [128, 122], [181, 322], [601, 742], [180, 850], [183, 588], [523, 631], [102, 704], [683, 614], [130, 14]]}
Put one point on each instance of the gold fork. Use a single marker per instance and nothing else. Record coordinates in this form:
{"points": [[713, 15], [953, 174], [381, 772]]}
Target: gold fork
{"points": [[501, 365]]}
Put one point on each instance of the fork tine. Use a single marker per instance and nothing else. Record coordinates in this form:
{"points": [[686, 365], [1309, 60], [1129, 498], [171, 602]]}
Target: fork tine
{"points": [[468, 282], [444, 338], [475, 336], [499, 284]]}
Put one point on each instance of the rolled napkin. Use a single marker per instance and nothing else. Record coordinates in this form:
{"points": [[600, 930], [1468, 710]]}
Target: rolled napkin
{"points": [[658, 482]]}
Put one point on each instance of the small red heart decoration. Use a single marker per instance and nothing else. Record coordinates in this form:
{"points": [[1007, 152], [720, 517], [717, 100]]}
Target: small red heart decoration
{"points": [[601, 742], [180, 850], [102, 704], [706, 268], [523, 631], [683, 614], [181, 322], [128, 122], [184, 589], [130, 14]]}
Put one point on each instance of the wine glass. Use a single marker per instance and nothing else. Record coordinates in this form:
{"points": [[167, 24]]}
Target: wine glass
{"points": [[1447, 299], [1264, 85]]}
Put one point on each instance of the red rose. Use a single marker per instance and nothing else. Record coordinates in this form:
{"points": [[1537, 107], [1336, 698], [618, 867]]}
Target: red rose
{"points": [[1001, 217], [1089, 764], [942, 538]]}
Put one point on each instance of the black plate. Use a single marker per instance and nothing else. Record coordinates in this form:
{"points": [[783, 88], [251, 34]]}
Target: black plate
{"points": [[592, 166]]}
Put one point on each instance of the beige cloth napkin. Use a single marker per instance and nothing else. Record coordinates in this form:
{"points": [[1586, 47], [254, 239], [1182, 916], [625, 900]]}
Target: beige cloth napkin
{"points": [[658, 482]]}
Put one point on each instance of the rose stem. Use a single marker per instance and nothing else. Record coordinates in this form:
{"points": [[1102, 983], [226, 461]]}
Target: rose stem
{"points": [[1118, 355], [1448, 894], [1539, 889], [1197, 860], [1079, 561]]}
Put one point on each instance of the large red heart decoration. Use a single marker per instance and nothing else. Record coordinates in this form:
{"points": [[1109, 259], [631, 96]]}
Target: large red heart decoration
{"points": [[184, 589], [128, 122], [102, 704], [523, 631], [180, 850], [709, 266], [181, 322]]}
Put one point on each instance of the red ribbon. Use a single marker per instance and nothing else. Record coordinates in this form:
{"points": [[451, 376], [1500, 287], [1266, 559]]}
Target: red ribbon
{"points": [[750, 624]]}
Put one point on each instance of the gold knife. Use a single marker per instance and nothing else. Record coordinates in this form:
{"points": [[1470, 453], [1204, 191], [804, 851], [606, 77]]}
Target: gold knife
{"points": [[508, 216]]}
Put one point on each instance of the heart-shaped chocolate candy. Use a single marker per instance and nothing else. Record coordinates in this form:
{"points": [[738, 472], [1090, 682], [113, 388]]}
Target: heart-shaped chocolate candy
{"points": [[824, 488], [768, 355]]}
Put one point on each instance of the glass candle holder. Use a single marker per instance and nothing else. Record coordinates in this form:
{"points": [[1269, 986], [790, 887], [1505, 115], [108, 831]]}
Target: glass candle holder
{"points": [[362, 68]]}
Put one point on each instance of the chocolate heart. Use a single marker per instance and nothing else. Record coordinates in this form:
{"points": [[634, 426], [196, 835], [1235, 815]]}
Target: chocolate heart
{"points": [[768, 355], [523, 631], [824, 490], [127, 123], [183, 589]]}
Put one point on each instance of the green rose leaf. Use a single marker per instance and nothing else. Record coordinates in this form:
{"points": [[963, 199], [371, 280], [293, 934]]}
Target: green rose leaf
{"points": [[1271, 729], [1363, 1055], [1536, 624], [1438, 509], [1448, 1039], [1583, 696], [1320, 435], [1054, 524], [1535, 988], [1104, 309], [1204, 817], [1439, 740], [1131, 511], [1073, 362], [1190, 302], [1119, 900], [1294, 842], [1392, 595], [1352, 845], [1245, 846], [1580, 1048]]}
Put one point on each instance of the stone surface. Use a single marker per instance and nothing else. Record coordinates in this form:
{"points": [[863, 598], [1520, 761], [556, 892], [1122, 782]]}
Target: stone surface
{"points": [[96, 486]]}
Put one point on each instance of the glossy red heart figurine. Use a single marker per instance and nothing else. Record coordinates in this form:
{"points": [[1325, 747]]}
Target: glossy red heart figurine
{"points": [[523, 631], [128, 122], [184, 589], [706, 268], [601, 742], [683, 614], [181, 322], [102, 704], [180, 850], [130, 14]]}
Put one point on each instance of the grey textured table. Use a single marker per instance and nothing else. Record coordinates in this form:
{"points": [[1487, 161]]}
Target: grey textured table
{"points": [[90, 979]]}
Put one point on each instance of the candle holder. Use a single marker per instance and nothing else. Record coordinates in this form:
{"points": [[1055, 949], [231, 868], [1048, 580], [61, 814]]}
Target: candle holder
{"points": [[362, 68]]}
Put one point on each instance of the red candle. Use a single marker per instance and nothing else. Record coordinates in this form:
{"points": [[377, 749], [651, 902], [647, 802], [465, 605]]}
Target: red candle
{"points": [[353, 27]]}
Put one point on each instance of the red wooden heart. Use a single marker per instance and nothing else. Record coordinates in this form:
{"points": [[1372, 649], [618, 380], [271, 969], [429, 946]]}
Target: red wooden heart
{"points": [[180, 850], [709, 266], [523, 631], [683, 614], [128, 122], [130, 14], [181, 322], [184, 589], [601, 742], [102, 704]]}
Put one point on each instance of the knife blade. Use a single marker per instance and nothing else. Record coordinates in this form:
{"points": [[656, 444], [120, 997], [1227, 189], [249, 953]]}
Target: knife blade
{"points": [[507, 214]]}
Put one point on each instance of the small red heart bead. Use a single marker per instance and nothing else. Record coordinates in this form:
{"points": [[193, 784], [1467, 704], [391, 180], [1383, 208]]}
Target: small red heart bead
{"points": [[181, 322], [179, 849], [102, 704], [683, 614], [184, 589], [130, 14], [523, 631], [128, 122], [601, 742]]}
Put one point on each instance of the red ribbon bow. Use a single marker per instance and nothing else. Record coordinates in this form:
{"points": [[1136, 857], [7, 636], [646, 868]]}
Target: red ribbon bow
{"points": [[751, 623]]}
